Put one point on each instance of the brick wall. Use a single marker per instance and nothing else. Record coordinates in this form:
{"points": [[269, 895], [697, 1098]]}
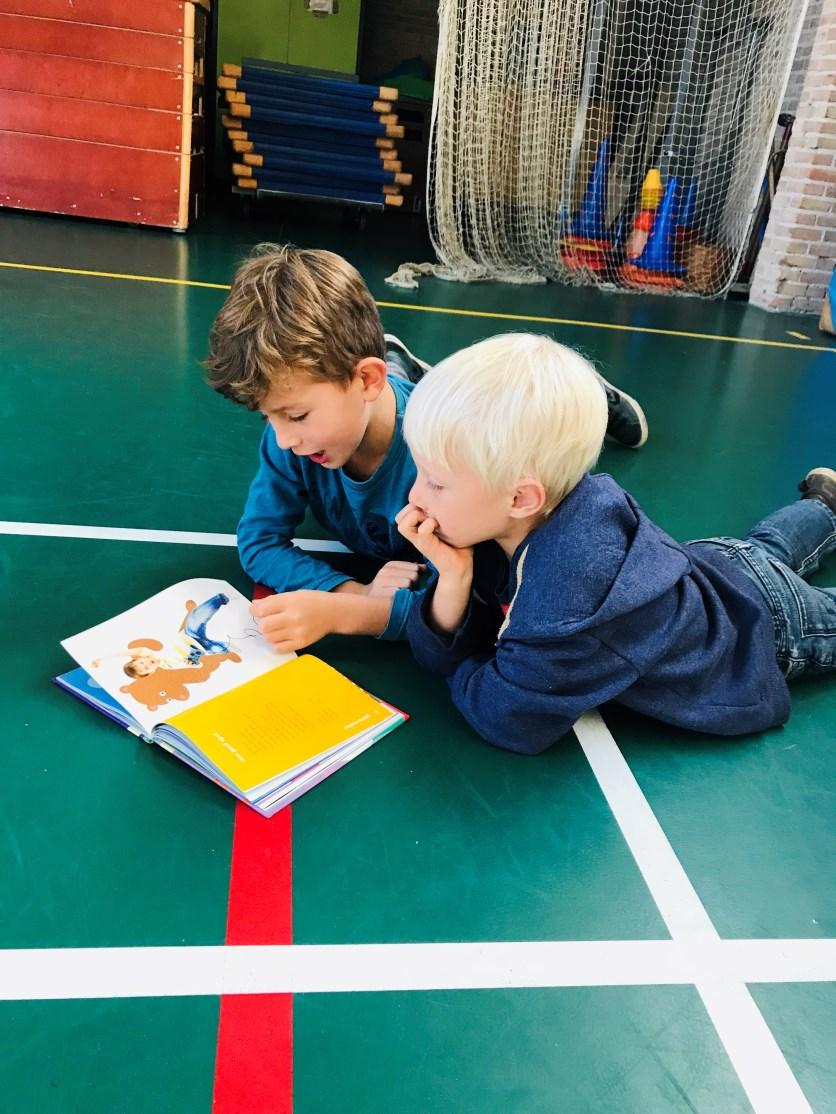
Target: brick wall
{"points": [[799, 247], [802, 57]]}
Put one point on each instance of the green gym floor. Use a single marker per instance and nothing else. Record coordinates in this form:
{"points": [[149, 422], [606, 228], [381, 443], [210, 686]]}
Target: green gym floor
{"points": [[641, 920]]}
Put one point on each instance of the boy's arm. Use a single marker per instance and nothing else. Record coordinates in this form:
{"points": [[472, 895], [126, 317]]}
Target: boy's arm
{"points": [[276, 504], [442, 651], [520, 692], [526, 695], [292, 620], [312, 599]]}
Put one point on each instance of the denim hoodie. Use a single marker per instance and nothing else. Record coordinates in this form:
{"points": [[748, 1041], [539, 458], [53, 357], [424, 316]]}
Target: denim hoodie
{"points": [[605, 606]]}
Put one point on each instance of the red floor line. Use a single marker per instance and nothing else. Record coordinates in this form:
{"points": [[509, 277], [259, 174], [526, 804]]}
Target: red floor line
{"points": [[254, 1060]]}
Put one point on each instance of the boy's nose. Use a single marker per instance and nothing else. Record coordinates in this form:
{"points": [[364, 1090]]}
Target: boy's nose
{"points": [[285, 439], [414, 497]]}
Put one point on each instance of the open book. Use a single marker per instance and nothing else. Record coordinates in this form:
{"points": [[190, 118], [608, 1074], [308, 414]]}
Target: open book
{"points": [[188, 669]]}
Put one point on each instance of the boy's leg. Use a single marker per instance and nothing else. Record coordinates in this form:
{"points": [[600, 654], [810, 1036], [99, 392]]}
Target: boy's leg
{"points": [[626, 421], [403, 363], [803, 533], [809, 622], [792, 542]]}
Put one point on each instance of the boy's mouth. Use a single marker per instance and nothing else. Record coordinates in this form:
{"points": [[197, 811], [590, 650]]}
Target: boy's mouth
{"points": [[319, 458]]}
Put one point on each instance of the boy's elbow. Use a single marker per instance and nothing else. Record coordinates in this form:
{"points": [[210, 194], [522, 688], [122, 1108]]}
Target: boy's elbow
{"points": [[516, 740], [250, 557], [513, 725], [259, 559]]}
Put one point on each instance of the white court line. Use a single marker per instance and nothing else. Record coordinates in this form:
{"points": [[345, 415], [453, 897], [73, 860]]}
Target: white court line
{"points": [[721, 966], [751, 1047], [754, 1053], [123, 534]]}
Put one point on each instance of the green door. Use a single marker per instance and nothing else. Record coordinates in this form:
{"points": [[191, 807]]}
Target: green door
{"points": [[253, 29], [326, 42]]}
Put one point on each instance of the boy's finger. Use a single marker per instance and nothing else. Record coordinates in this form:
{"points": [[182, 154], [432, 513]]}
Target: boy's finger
{"points": [[270, 605], [271, 626], [409, 514], [407, 517]]}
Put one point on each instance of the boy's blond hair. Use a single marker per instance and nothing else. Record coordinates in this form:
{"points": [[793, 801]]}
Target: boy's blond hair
{"points": [[291, 310], [512, 407]]}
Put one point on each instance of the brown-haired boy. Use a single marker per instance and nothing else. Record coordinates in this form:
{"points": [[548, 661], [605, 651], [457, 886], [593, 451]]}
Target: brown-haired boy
{"points": [[299, 338]]}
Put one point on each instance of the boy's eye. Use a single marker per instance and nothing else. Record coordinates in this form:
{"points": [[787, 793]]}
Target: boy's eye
{"points": [[434, 487], [297, 417]]}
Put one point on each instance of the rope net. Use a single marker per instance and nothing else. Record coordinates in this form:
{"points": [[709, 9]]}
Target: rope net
{"points": [[608, 142]]}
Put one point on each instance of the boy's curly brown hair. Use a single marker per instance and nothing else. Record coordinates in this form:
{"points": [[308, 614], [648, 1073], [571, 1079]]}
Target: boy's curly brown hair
{"points": [[291, 310]]}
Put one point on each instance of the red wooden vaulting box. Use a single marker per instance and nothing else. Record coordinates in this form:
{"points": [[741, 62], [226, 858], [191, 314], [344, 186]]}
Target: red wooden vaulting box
{"points": [[101, 108]]}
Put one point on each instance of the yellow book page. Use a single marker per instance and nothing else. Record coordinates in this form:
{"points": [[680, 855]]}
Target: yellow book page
{"points": [[279, 720]]}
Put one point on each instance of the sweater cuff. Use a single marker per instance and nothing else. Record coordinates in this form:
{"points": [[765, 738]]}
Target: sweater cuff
{"points": [[440, 653], [395, 628]]}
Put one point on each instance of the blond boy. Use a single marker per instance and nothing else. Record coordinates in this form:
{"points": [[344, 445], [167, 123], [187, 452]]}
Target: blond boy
{"points": [[555, 593]]}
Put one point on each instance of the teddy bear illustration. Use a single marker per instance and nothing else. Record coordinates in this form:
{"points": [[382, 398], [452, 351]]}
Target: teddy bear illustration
{"points": [[155, 679], [165, 682]]}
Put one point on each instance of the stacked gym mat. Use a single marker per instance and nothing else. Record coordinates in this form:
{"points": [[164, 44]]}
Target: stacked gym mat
{"points": [[306, 135]]}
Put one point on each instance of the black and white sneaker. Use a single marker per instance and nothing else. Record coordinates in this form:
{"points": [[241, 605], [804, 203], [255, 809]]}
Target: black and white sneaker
{"points": [[626, 422], [820, 483], [406, 363]]}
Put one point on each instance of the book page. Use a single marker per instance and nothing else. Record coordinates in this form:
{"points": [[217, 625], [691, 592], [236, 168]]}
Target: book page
{"points": [[178, 649], [280, 720]]}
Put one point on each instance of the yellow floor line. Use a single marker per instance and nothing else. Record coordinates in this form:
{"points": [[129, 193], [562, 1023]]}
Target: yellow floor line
{"points": [[609, 325], [445, 309], [116, 275]]}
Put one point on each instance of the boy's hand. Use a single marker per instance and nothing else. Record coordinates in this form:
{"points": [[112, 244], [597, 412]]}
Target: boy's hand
{"points": [[292, 620], [394, 575], [455, 568], [414, 525]]}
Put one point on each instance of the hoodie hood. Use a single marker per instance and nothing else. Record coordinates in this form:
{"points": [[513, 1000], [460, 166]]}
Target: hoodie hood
{"points": [[606, 559]]}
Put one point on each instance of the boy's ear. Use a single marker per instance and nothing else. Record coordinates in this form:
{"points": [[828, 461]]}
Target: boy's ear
{"points": [[529, 499], [371, 372]]}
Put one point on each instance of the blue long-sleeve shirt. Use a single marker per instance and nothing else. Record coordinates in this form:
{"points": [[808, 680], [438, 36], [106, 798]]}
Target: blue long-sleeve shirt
{"points": [[360, 514], [605, 606]]}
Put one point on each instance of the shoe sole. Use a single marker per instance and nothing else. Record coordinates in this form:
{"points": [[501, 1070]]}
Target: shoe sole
{"points": [[829, 473], [827, 496], [640, 414], [396, 342]]}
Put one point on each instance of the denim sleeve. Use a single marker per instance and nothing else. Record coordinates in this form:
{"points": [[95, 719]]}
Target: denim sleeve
{"points": [[442, 653], [275, 506], [525, 696]]}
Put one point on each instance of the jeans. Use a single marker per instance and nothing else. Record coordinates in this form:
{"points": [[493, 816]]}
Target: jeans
{"points": [[198, 617], [776, 555]]}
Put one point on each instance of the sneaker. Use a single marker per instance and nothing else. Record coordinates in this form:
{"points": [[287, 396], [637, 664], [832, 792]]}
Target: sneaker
{"points": [[626, 422], [820, 483], [407, 364]]}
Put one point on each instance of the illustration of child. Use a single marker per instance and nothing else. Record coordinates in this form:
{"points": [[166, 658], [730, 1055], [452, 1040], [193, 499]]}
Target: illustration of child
{"points": [[144, 657]]}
